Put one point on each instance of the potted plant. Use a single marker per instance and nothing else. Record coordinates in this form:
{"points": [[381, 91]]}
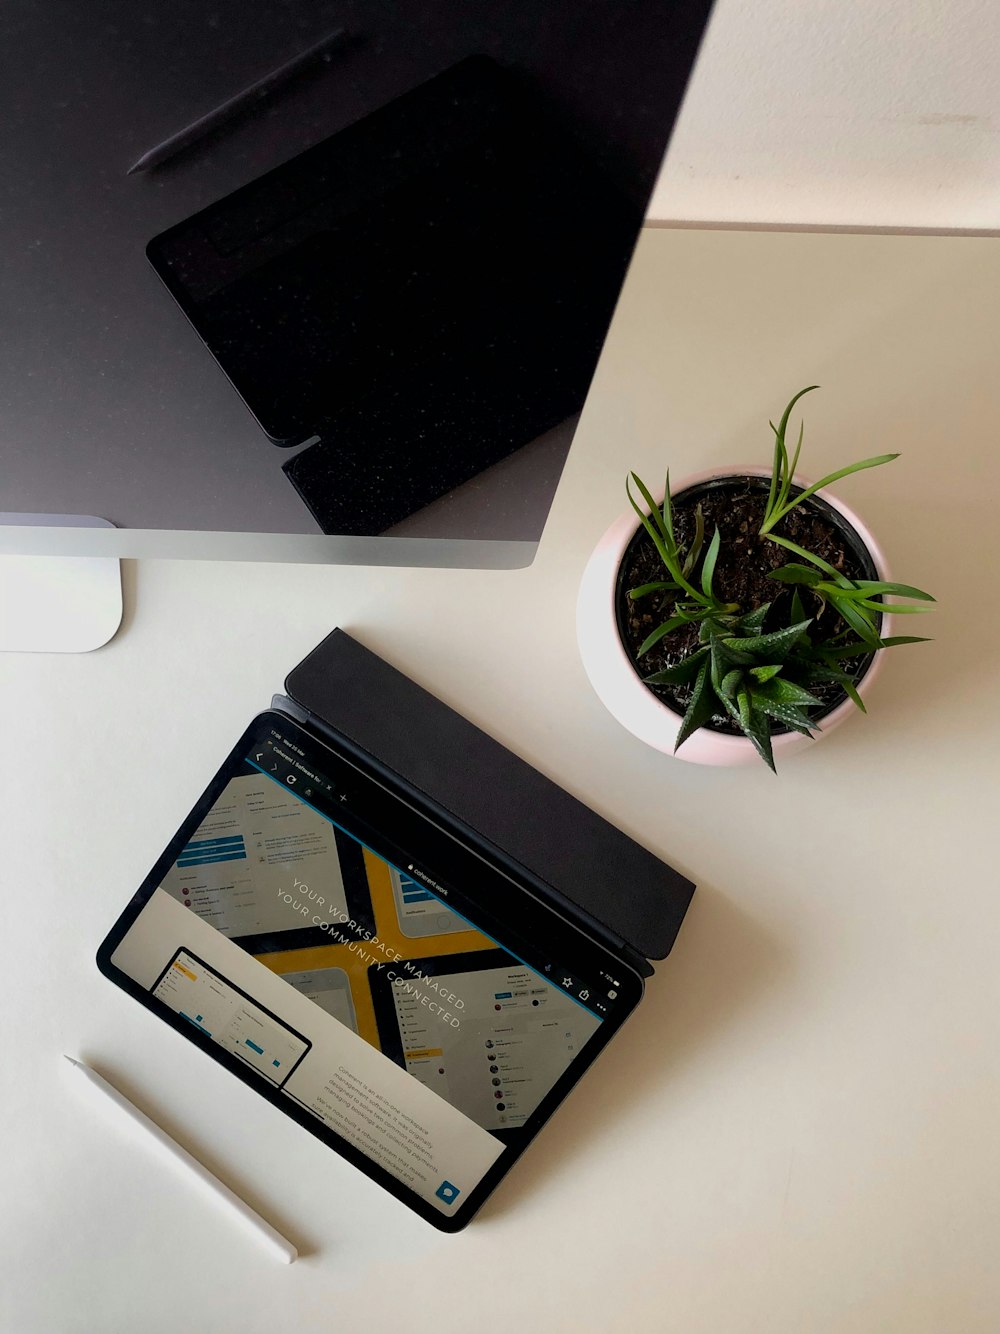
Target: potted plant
{"points": [[741, 615]]}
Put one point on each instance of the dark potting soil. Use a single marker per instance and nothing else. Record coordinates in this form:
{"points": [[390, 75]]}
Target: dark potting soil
{"points": [[745, 560]]}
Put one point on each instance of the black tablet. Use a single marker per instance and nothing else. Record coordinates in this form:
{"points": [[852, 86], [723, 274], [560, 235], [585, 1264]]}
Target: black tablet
{"points": [[383, 983]]}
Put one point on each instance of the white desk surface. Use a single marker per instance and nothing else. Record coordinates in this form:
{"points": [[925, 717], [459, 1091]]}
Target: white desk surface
{"points": [[798, 1131]]}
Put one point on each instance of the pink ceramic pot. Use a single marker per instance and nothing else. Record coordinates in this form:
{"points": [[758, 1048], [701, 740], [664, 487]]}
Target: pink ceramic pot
{"points": [[619, 687]]}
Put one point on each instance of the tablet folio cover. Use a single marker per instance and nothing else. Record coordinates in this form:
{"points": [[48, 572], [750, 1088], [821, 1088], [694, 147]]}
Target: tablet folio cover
{"points": [[488, 796]]}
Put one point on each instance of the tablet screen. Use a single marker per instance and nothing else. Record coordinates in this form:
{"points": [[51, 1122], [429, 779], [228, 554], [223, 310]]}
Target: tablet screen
{"points": [[381, 981], [519, 1034]]}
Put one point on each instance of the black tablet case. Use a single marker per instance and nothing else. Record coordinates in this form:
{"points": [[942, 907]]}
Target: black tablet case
{"points": [[490, 799]]}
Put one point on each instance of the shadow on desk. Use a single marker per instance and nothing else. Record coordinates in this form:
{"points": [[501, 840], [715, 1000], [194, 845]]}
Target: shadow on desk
{"points": [[722, 964]]}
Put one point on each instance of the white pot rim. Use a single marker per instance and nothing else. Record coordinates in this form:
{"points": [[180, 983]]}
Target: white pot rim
{"points": [[616, 682]]}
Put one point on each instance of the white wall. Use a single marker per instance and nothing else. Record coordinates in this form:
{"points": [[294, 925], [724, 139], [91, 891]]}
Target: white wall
{"points": [[870, 112]]}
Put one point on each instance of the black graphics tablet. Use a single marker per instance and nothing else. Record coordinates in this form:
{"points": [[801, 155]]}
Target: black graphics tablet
{"points": [[383, 983]]}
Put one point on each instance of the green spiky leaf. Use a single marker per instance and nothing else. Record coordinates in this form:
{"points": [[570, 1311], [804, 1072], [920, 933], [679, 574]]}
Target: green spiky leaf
{"points": [[681, 673], [744, 706], [873, 586], [775, 646], [787, 717], [659, 525], [666, 516], [760, 736], [810, 556], [730, 682], [860, 622], [708, 568], [796, 574], [700, 709], [896, 608], [832, 477], [661, 586], [661, 631], [766, 673], [786, 692], [656, 516], [694, 551], [753, 621]]}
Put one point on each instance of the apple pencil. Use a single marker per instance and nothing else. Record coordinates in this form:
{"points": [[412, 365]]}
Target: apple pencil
{"points": [[321, 50], [264, 1230]]}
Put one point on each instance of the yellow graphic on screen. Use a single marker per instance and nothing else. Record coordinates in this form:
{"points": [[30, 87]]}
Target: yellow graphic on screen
{"points": [[355, 957]]}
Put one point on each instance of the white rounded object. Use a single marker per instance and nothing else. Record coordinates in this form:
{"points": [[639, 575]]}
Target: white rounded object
{"points": [[618, 685], [58, 604]]}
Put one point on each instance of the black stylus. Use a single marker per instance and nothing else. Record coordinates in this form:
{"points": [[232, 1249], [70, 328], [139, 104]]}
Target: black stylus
{"points": [[322, 50]]}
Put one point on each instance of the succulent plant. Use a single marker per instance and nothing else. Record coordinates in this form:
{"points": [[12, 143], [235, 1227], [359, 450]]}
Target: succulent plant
{"points": [[747, 667], [855, 601]]}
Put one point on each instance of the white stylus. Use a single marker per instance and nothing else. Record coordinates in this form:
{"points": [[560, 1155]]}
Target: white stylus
{"points": [[279, 1244]]}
